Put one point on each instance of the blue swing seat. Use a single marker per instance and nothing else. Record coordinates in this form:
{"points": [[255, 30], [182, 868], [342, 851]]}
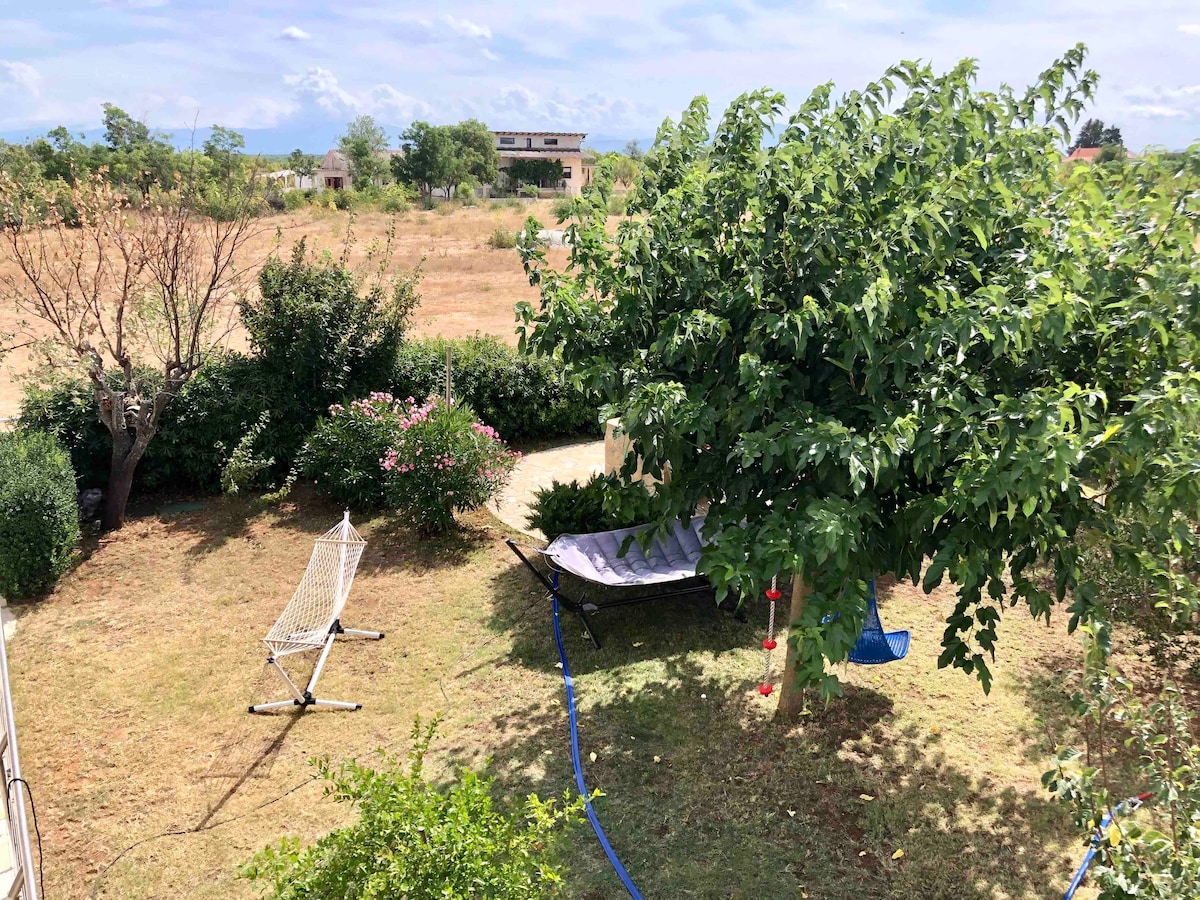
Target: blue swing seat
{"points": [[876, 646]]}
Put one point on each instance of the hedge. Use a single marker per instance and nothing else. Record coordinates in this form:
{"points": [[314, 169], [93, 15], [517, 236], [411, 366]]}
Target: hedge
{"points": [[200, 427], [522, 397], [39, 519]]}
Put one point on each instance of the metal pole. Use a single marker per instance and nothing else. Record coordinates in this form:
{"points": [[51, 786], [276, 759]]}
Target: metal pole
{"points": [[28, 872]]}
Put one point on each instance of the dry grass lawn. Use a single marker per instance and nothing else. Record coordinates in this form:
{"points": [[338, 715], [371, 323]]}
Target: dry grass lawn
{"points": [[132, 681], [468, 287]]}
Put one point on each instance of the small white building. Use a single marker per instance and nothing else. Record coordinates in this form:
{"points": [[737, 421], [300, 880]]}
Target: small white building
{"points": [[334, 171]]}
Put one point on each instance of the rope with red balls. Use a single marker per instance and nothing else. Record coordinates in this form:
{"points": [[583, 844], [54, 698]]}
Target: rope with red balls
{"points": [[769, 641]]}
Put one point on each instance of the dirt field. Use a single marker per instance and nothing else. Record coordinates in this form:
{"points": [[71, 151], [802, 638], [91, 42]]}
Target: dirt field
{"points": [[468, 287]]}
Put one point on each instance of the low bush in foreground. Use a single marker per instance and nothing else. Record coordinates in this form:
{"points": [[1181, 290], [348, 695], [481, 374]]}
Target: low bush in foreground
{"points": [[39, 520], [417, 840], [520, 396]]}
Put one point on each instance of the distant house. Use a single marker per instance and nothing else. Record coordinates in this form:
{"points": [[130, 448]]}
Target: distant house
{"points": [[566, 147], [334, 172], [1088, 154]]}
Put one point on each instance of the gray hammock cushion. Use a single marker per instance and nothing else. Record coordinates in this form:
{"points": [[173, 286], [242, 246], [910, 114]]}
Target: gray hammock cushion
{"points": [[597, 557]]}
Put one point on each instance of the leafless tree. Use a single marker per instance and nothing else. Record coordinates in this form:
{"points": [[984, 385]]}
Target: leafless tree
{"points": [[115, 289]]}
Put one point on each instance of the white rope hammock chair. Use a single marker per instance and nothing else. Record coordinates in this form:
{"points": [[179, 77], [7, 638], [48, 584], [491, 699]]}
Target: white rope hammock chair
{"points": [[312, 618]]}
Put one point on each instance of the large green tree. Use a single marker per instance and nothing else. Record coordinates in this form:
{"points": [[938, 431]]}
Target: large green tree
{"points": [[364, 144], [445, 156], [887, 338], [427, 161]]}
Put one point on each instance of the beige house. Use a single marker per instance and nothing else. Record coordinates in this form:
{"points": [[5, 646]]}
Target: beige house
{"points": [[334, 172], [566, 147]]}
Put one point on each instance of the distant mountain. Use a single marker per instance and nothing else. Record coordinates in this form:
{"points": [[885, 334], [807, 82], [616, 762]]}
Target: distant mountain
{"points": [[312, 137]]}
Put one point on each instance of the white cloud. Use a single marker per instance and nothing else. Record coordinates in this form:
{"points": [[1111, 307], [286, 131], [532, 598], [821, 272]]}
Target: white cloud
{"points": [[1154, 111], [1163, 103], [19, 75], [488, 54], [1192, 28], [292, 33], [466, 28], [321, 87]]}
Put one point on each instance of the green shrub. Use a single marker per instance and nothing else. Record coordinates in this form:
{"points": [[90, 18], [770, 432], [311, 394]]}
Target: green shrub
{"points": [[245, 468], [294, 200], [342, 200], [39, 519], [561, 208], [421, 841], [396, 198], [199, 429], [522, 397], [572, 509], [344, 453], [502, 239], [618, 204], [321, 335]]}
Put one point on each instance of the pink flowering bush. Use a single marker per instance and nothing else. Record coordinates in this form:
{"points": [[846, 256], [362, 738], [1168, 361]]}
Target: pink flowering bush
{"points": [[425, 460], [342, 454], [443, 461]]}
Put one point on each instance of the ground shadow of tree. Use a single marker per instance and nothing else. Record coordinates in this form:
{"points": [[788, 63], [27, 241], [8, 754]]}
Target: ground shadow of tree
{"points": [[706, 796]]}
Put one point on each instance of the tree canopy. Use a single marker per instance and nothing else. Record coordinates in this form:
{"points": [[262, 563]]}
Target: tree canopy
{"points": [[445, 156], [364, 144], [1094, 133], [540, 172], [895, 339]]}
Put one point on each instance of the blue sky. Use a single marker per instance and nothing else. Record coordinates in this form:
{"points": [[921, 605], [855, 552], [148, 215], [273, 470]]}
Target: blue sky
{"points": [[292, 73]]}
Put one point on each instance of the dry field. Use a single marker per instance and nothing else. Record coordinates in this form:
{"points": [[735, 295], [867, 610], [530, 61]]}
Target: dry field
{"points": [[468, 287]]}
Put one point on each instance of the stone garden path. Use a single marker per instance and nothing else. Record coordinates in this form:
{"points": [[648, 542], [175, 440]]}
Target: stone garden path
{"points": [[575, 461]]}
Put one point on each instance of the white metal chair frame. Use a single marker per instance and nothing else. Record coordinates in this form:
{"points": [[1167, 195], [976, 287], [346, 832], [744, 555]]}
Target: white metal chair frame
{"points": [[312, 618]]}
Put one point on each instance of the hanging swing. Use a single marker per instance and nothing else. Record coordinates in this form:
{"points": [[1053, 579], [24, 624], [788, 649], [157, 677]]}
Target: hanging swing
{"points": [[874, 646]]}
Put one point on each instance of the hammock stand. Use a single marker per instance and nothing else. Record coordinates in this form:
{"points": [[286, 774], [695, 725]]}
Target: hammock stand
{"points": [[312, 618], [615, 559]]}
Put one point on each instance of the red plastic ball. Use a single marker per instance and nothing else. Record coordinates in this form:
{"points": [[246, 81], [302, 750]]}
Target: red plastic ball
{"points": [[773, 594], [769, 643], [765, 689]]}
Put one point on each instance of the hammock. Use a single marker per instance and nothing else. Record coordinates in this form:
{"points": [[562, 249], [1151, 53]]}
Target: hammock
{"points": [[312, 618], [672, 557]]}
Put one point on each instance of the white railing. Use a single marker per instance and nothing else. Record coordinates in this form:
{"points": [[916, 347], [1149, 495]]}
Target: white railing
{"points": [[18, 873]]}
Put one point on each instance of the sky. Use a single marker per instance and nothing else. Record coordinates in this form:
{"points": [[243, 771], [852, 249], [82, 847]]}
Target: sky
{"points": [[290, 73]]}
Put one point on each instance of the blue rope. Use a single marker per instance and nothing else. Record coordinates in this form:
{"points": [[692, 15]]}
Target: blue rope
{"points": [[575, 761]]}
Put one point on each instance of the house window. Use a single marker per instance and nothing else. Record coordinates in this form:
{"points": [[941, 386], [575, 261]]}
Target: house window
{"points": [[550, 142], [507, 142], [566, 171], [529, 143]]}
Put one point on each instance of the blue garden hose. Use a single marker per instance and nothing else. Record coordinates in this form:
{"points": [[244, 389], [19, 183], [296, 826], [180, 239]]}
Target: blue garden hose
{"points": [[575, 761], [1128, 806]]}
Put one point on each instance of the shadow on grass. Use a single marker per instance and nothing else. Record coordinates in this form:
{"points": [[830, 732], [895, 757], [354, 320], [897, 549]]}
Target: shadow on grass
{"points": [[706, 796], [391, 545]]}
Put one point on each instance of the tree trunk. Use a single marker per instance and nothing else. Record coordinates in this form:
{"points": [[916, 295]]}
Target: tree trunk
{"points": [[120, 479], [791, 695]]}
